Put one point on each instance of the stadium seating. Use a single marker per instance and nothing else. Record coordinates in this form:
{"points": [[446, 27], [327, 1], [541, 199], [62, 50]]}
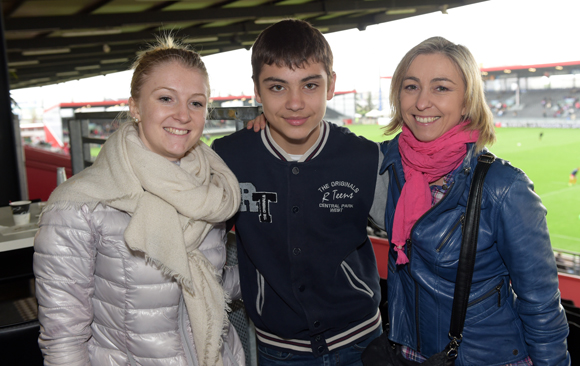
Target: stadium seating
{"points": [[531, 103]]}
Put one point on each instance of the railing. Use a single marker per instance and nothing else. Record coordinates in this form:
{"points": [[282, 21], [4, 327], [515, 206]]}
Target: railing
{"points": [[536, 122], [567, 261], [568, 267], [81, 138]]}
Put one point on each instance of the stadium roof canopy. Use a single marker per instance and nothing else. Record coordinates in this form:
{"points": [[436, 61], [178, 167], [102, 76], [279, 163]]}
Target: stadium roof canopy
{"points": [[527, 71], [53, 41]]}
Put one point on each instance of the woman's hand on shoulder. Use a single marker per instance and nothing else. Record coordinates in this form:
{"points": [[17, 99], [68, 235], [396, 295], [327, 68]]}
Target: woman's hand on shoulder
{"points": [[258, 123]]}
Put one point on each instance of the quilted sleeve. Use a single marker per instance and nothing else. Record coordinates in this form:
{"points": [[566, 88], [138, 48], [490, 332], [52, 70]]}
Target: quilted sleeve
{"points": [[64, 263]]}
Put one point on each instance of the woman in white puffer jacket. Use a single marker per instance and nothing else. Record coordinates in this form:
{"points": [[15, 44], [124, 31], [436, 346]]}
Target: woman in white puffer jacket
{"points": [[130, 255]]}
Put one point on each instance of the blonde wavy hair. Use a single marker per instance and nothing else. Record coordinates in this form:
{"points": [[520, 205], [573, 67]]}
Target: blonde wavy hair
{"points": [[477, 110]]}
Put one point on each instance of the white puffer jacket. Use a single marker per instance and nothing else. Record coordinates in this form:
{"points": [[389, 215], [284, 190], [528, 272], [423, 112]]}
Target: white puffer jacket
{"points": [[102, 304]]}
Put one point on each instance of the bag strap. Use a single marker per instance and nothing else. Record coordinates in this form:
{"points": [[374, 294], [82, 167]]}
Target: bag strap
{"points": [[468, 249]]}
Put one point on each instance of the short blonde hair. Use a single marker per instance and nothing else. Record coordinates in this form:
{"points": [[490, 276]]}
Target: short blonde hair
{"points": [[477, 110]]}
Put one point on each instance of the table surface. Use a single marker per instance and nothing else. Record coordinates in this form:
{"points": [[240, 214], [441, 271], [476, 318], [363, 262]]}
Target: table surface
{"points": [[17, 237]]}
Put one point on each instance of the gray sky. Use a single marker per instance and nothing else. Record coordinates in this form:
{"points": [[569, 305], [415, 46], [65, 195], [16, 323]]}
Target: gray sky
{"points": [[498, 33]]}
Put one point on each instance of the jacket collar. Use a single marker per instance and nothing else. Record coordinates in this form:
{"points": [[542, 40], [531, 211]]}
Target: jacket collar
{"points": [[312, 152], [390, 150], [391, 154]]}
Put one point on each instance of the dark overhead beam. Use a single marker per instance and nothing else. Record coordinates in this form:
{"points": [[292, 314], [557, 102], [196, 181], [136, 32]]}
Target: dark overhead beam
{"points": [[92, 7], [51, 73], [12, 8], [206, 15], [17, 79], [71, 66], [115, 50], [94, 55], [75, 53], [239, 28], [243, 28], [161, 6], [134, 37], [420, 10], [22, 78], [57, 67], [383, 18]]}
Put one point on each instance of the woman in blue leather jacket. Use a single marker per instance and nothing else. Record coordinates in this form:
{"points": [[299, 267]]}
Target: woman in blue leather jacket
{"points": [[514, 316]]}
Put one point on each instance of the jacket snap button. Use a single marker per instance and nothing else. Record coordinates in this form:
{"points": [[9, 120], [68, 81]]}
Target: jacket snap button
{"points": [[297, 251], [301, 288], [295, 170], [318, 338], [295, 209], [320, 349], [316, 324]]}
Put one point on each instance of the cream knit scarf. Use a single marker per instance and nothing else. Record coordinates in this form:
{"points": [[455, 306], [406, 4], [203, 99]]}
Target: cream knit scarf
{"points": [[172, 208]]}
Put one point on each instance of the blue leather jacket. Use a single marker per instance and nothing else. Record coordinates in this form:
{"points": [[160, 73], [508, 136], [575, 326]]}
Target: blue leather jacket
{"points": [[514, 306]]}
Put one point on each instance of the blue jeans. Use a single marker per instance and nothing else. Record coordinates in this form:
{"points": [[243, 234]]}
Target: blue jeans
{"points": [[345, 356]]}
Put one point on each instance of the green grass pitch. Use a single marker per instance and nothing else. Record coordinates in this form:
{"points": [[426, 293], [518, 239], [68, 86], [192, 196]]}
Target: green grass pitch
{"points": [[547, 161]]}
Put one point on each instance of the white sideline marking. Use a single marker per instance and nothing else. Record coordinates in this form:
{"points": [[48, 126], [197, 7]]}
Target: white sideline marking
{"points": [[558, 191], [565, 237]]}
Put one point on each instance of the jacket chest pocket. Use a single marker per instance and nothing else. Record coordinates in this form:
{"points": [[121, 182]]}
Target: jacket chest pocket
{"points": [[457, 226], [442, 255]]}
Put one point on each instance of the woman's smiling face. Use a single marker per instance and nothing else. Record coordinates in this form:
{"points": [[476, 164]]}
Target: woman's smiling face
{"points": [[432, 96], [171, 109]]}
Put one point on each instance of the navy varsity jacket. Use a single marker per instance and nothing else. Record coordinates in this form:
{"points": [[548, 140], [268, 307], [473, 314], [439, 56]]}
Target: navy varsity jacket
{"points": [[308, 272]]}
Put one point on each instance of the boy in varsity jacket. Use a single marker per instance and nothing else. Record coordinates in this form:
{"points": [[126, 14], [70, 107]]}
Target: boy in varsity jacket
{"points": [[308, 272]]}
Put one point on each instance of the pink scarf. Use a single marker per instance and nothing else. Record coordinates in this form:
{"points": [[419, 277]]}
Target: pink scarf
{"points": [[424, 162]]}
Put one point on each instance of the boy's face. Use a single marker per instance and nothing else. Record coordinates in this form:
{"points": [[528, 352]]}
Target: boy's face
{"points": [[294, 103]]}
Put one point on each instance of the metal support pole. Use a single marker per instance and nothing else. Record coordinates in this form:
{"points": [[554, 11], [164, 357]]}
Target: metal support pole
{"points": [[79, 151], [10, 188]]}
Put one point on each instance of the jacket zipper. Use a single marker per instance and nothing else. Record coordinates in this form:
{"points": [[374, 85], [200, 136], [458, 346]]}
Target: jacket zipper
{"points": [[190, 353], [432, 207], [417, 328], [392, 268], [131, 359], [488, 294], [461, 221], [397, 179], [408, 243]]}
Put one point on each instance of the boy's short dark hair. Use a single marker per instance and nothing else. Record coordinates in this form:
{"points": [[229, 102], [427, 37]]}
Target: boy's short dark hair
{"points": [[290, 43]]}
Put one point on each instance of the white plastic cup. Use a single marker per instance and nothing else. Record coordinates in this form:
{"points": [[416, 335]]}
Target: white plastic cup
{"points": [[60, 175], [20, 212]]}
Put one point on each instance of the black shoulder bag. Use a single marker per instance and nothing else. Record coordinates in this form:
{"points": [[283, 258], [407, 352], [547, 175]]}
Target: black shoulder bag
{"points": [[380, 352]]}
